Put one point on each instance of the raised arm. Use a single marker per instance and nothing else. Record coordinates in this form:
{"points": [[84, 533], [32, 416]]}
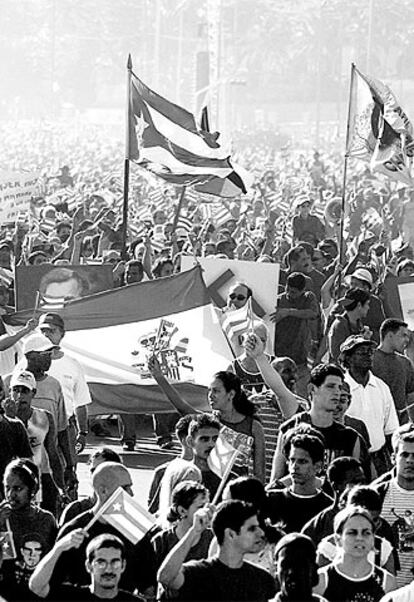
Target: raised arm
{"points": [[286, 400], [8, 340], [40, 580], [169, 391], [171, 573]]}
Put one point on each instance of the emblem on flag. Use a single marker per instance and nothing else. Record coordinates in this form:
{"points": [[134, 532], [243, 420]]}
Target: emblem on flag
{"points": [[170, 348]]}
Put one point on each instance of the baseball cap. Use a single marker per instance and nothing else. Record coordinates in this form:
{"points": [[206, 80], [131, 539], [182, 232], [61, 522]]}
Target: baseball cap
{"points": [[363, 274], [24, 378], [52, 319], [353, 341], [37, 342]]}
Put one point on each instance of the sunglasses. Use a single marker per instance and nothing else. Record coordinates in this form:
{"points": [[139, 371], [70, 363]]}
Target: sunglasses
{"points": [[233, 296]]}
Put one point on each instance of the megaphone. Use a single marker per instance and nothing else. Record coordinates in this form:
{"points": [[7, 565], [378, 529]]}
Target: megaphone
{"points": [[333, 211]]}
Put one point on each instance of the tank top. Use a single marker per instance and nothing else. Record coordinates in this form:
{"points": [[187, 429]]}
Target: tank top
{"points": [[341, 588]]}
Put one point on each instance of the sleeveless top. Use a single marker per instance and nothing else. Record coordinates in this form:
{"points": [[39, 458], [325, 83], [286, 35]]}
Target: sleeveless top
{"points": [[341, 588]]}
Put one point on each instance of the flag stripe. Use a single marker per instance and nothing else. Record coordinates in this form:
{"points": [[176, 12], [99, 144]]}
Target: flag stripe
{"points": [[175, 122]]}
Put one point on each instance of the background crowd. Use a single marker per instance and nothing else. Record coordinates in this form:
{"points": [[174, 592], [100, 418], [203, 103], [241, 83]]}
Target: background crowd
{"points": [[323, 420]]}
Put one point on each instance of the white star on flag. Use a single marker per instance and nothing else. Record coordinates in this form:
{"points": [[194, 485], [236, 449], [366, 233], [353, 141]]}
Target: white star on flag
{"points": [[126, 515]]}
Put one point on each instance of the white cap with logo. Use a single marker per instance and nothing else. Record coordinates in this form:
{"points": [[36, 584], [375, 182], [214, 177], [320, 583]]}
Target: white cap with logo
{"points": [[23, 378]]}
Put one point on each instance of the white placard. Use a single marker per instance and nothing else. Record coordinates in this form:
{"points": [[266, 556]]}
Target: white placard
{"points": [[16, 190], [263, 279]]}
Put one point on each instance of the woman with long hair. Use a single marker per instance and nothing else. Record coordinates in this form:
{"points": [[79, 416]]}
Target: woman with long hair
{"points": [[230, 403]]}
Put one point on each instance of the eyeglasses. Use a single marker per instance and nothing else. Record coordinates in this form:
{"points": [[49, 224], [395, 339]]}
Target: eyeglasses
{"points": [[233, 296], [101, 563]]}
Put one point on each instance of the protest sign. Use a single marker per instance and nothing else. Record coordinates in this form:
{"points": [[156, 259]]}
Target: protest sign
{"points": [[57, 284], [16, 191]]}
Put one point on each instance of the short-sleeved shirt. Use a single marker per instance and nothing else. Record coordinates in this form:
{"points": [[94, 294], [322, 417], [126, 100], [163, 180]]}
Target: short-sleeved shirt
{"points": [[293, 510], [374, 405], [339, 440], [398, 511], [397, 372], [212, 580]]}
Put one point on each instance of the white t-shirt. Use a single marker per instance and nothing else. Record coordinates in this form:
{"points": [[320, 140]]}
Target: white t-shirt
{"points": [[374, 405], [71, 377]]}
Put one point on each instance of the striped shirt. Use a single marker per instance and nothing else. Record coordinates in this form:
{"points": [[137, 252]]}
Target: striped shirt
{"points": [[398, 510]]}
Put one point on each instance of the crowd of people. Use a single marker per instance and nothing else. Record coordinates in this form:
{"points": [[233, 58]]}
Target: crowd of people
{"points": [[319, 504]]}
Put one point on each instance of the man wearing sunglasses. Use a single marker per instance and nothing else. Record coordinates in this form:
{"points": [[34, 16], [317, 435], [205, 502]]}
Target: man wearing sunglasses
{"points": [[238, 295]]}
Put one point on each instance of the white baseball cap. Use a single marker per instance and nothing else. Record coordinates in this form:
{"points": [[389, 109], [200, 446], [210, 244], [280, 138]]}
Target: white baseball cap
{"points": [[24, 378], [37, 342], [364, 275]]}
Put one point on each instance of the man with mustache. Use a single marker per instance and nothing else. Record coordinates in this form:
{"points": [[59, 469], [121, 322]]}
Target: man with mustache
{"points": [[105, 563]]}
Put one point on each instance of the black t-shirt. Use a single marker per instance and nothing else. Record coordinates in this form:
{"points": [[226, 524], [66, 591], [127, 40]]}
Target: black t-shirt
{"points": [[339, 439], [294, 511], [66, 592], [213, 581], [140, 570]]}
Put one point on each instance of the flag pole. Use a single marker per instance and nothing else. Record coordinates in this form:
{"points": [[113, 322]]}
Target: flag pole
{"points": [[178, 210], [345, 172], [126, 164], [225, 477]]}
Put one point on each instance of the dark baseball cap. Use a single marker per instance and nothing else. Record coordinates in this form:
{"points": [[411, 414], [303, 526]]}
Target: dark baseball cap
{"points": [[354, 341], [52, 320]]}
